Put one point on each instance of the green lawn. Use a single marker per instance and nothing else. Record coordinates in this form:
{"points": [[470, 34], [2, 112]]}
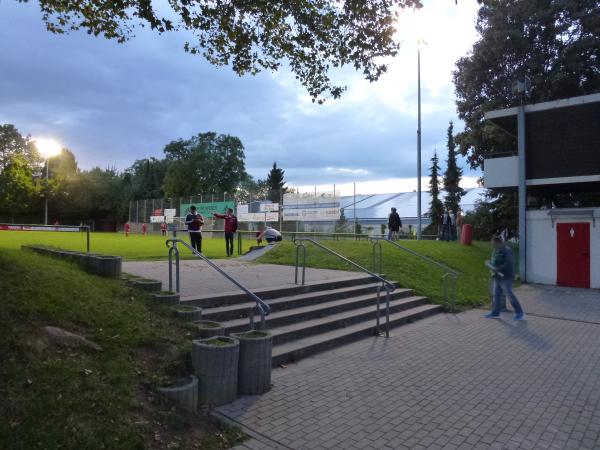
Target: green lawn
{"points": [[411, 272], [74, 398], [134, 247]]}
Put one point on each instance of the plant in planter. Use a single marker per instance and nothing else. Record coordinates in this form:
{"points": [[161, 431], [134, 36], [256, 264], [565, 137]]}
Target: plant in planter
{"points": [[215, 362], [256, 352], [183, 392], [208, 328], [166, 297], [187, 312]]}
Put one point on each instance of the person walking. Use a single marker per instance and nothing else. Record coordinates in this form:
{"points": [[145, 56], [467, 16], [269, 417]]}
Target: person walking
{"points": [[144, 229], [503, 272], [163, 228], [394, 225], [194, 222], [127, 228], [231, 225]]}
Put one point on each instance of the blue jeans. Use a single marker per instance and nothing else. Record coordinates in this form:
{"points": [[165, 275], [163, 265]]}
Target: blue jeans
{"points": [[390, 234], [504, 287]]}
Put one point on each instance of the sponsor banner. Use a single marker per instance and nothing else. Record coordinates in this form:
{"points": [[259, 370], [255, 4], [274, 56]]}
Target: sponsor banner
{"points": [[206, 209], [269, 207], [170, 212], [329, 199], [311, 214], [35, 228], [242, 209], [258, 217], [157, 219]]}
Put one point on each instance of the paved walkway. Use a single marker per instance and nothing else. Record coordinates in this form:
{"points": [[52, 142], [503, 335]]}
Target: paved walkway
{"points": [[197, 279], [452, 382], [560, 302]]}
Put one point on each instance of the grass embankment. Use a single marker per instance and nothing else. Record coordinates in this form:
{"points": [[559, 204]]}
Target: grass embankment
{"points": [[134, 247], [77, 398], [408, 270]]}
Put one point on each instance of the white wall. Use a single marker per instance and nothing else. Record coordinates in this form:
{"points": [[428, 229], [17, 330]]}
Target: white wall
{"points": [[501, 172], [541, 246]]}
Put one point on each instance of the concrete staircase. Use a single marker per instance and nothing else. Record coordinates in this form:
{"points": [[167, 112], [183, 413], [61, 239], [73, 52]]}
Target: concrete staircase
{"points": [[315, 317]]}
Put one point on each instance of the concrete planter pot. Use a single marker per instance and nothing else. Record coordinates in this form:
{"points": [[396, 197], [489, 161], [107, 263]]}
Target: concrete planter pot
{"points": [[215, 362], [108, 266], [148, 285], [206, 329], [166, 298], [256, 352], [184, 393], [188, 312]]}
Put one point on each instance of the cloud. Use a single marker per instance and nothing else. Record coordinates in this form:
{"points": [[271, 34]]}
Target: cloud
{"points": [[112, 103]]}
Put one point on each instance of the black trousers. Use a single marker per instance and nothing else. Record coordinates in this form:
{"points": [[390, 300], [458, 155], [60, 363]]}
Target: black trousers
{"points": [[229, 242], [196, 241]]}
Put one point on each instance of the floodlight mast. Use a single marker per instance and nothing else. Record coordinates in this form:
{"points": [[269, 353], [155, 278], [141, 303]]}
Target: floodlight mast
{"points": [[419, 140]]}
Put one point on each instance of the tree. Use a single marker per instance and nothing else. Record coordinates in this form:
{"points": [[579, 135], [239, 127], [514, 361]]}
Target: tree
{"points": [[342, 224], [146, 177], [13, 144], [17, 187], [250, 189], [208, 162], [436, 208], [276, 183], [311, 37], [555, 43], [452, 175]]}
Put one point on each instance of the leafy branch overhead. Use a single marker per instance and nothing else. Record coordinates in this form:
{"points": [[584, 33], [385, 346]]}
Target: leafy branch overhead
{"points": [[311, 36]]}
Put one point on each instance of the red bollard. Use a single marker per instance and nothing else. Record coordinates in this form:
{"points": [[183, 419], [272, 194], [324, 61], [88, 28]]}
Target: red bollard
{"points": [[466, 234]]}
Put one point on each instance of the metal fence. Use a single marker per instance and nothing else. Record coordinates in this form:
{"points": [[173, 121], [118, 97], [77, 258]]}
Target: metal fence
{"points": [[291, 211]]}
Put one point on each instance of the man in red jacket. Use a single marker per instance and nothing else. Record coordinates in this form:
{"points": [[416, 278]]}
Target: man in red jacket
{"points": [[231, 225]]}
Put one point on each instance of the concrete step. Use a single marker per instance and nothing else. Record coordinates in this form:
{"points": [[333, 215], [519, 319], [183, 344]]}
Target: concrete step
{"points": [[241, 310], [237, 297], [290, 326], [309, 345]]}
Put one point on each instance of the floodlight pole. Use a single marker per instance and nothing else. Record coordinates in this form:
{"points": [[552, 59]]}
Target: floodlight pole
{"points": [[419, 141], [46, 194]]}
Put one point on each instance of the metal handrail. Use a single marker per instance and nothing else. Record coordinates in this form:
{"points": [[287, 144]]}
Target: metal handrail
{"points": [[263, 308], [385, 284], [448, 292]]}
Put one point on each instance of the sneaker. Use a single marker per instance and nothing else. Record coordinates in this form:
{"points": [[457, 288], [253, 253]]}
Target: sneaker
{"points": [[492, 316], [520, 316]]}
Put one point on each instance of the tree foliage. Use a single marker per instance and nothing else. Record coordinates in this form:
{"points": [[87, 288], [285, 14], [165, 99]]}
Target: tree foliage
{"points": [[205, 163], [556, 43], [276, 183], [452, 175], [436, 207], [312, 37]]}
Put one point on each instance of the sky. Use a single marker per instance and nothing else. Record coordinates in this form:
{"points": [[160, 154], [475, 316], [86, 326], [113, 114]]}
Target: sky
{"points": [[114, 103]]}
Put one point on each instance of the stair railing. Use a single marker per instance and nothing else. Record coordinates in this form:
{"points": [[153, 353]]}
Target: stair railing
{"points": [[263, 308], [449, 278], [385, 284]]}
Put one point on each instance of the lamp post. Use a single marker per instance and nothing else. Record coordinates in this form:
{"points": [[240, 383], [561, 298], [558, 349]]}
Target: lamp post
{"points": [[48, 148], [419, 140]]}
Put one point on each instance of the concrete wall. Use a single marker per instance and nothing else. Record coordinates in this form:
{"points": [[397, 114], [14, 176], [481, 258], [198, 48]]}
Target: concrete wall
{"points": [[541, 246]]}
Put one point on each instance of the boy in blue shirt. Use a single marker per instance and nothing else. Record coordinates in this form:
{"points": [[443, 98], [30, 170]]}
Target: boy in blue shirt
{"points": [[502, 266]]}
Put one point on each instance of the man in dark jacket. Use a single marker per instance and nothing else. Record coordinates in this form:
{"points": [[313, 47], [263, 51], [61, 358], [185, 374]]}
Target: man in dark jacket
{"points": [[231, 225], [502, 266], [394, 225], [194, 222]]}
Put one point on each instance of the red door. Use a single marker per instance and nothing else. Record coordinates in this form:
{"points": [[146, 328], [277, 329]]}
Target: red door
{"points": [[573, 254]]}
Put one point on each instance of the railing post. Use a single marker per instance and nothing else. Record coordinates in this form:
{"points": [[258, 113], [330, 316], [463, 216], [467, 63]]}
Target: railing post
{"points": [[378, 307], [387, 312], [171, 269], [88, 238], [251, 316]]}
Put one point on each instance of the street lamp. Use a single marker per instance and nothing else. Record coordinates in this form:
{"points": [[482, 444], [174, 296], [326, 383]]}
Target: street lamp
{"points": [[48, 148], [419, 42]]}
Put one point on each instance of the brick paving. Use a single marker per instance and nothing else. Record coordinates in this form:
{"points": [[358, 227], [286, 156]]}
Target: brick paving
{"points": [[451, 382], [561, 302]]}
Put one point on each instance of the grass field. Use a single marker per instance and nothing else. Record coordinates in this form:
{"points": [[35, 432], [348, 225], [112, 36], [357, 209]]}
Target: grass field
{"points": [[411, 272], [134, 247], [74, 398]]}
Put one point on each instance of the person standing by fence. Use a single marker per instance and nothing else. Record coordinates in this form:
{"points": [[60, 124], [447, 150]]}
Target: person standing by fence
{"points": [[194, 222], [231, 225], [394, 225]]}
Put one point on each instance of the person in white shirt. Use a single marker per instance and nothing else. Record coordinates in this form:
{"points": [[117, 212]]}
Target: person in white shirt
{"points": [[269, 234]]}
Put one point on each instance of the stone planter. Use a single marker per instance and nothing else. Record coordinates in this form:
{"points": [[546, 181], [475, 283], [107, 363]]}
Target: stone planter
{"points": [[166, 298], [148, 285], [188, 312], [108, 266], [215, 362], [184, 393], [206, 329], [256, 352]]}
